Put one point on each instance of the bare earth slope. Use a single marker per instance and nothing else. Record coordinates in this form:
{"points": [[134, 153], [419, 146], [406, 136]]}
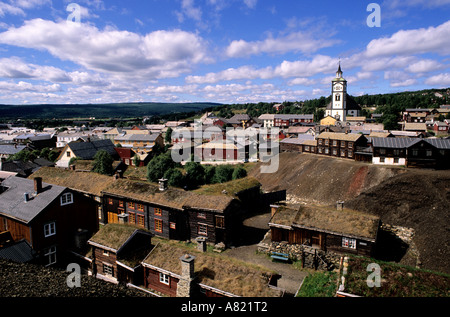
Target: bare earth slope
{"points": [[414, 198]]}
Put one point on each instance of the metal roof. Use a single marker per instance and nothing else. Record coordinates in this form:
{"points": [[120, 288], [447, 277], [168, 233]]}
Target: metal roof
{"points": [[13, 204], [20, 252], [442, 144]]}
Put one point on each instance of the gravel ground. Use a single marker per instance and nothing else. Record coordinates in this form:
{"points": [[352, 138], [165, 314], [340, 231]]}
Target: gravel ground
{"points": [[27, 280]]}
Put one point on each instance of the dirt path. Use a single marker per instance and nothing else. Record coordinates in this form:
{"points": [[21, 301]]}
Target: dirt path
{"points": [[254, 229]]}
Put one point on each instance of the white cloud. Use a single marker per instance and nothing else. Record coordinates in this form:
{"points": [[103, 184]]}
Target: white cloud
{"points": [[417, 41], [10, 9], [441, 80], [156, 55], [293, 42], [251, 3], [424, 66]]}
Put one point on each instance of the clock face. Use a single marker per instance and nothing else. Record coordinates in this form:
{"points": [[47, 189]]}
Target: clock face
{"points": [[338, 87]]}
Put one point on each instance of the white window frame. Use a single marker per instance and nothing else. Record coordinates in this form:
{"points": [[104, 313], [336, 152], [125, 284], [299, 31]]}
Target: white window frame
{"points": [[108, 269], [164, 278], [349, 243], [50, 229], [66, 199], [50, 254]]}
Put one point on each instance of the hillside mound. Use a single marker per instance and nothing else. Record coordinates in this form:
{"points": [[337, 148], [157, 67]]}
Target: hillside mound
{"points": [[413, 198]]}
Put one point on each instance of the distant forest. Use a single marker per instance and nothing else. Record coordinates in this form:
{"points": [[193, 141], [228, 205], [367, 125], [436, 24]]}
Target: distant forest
{"points": [[122, 114]]}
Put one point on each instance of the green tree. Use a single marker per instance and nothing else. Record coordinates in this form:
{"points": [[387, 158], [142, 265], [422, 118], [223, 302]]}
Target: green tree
{"points": [[239, 172], [44, 153], [168, 137], [210, 170], [103, 163], [136, 160], [195, 174], [174, 177], [158, 166], [224, 173], [53, 155]]}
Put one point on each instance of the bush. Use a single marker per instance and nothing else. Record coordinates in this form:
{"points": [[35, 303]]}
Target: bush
{"points": [[174, 177], [210, 170], [158, 166], [239, 172], [224, 173], [195, 174]]}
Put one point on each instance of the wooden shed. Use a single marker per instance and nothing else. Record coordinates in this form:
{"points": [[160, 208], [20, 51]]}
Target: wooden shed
{"points": [[326, 228]]}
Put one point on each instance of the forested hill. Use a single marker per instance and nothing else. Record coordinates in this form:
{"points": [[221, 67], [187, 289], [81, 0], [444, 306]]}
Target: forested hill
{"points": [[114, 110]]}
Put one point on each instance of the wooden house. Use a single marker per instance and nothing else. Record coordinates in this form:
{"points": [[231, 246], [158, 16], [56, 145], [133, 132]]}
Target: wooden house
{"points": [[140, 142], [329, 229], [411, 151], [117, 252], [170, 212], [440, 127], [47, 216], [342, 145], [179, 272], [84, 151], [295, 144]]}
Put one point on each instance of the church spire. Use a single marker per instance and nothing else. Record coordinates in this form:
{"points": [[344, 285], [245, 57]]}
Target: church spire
{"points": [[339, 71]]}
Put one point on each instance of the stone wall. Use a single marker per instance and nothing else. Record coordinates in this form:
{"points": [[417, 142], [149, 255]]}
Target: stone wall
{"points": [[309, 257]]}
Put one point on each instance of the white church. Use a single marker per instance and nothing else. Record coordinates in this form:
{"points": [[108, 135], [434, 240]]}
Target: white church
{"points": [[341, 105]]}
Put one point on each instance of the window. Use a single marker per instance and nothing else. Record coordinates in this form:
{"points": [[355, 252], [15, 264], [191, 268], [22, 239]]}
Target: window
{"points": [[335, 143], [140, 207], [429, 153], [381, 159], [132, 217], [396, 160], [131, 205], [141, 221], [105, 252], [50, 255], [220, 222], [173, 225], [158, 212], [348, 243], [120, 203], [164, 278], [158, 225], [110, 201], [396, 152], [108, 269], [49, 229], [382, 151], [415, 152], [201, 215], [66, 199], [202, 230], [68, 154]]}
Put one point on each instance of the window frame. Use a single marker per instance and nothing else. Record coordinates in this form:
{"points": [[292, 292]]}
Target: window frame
{"points": [[67, 201], [348, 243], [50, 255], [164, 278], [50, 229], [159, 225]]}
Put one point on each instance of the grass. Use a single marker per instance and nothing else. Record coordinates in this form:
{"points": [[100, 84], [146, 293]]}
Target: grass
{"points": [[230, 187], [319, 284], [396, 280]]}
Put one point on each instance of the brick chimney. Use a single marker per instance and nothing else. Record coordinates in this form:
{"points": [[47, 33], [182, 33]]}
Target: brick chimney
{"points": [[163, 184], [37, 185], [185, 284], [340, 205]]}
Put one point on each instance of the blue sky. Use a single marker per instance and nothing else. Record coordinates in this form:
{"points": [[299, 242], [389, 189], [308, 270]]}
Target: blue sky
{"points": [[226, 51]]}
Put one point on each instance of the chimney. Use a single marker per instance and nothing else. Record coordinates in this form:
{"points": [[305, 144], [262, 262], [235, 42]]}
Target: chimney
{"points": [[184, 286], [37, 185], [340, 205], [26, 197], [72, 167], [274, 209], [163, 184], [201, 244]]}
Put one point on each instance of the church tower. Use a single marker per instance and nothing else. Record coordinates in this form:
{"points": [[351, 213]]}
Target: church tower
{"points": [[339, 97]]}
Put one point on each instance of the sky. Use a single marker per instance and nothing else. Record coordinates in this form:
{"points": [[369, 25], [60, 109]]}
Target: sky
{"points": [[224, 51]]}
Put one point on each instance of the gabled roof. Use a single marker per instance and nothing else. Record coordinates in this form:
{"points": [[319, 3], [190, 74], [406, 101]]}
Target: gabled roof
{"points": [[115, 236], [11, 149], [171, 198], [87, 150], [12, 202], [220, 273], [340, 136], [344, 222]]}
